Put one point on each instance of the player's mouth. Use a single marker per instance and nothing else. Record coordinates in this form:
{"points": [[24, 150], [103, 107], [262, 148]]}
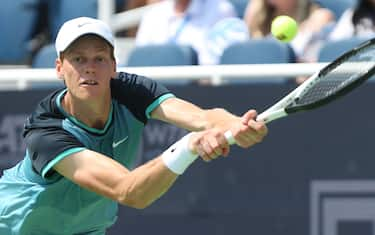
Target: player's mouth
{"points": [[89, 83]]}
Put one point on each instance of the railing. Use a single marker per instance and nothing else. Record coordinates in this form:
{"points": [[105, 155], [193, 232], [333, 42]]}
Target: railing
{"points": [[23, 78]]}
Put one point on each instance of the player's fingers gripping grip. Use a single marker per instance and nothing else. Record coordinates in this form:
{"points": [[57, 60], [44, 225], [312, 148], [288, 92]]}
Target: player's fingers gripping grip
{"points": [[248, 135], [208, 144], [249, 132]]}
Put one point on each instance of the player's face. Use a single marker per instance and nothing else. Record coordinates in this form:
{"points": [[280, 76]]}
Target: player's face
{"points": [[87, 67]]}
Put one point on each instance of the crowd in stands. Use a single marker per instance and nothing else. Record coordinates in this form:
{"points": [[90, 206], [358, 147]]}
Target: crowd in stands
{"points": [[185, 22], [209, 27], [310, 17]]}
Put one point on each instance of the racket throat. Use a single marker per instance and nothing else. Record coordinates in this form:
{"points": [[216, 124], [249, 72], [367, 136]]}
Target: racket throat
{"points": [[272, 115]]}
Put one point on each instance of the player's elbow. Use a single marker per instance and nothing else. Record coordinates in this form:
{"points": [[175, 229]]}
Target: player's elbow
{"points": [[133, 196], [137, 203], [142, 205]]}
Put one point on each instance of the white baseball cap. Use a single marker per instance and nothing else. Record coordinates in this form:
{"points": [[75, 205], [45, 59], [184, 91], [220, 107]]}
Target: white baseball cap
{"points": [[75, 28]]}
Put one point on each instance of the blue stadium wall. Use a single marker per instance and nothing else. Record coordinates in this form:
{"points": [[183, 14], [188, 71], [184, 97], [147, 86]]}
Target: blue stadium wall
{"points": [[266, 190]]}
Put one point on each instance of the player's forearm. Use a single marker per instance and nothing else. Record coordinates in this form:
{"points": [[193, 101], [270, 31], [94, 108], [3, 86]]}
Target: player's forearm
{"points": [[145, 184], [191, 117], [148, 182], [106, 177], [207, 119], [218, 118]]}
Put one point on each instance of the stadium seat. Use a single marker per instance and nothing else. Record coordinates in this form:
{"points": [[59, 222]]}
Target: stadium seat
{"points": [[257, 51], [162, 55], [17, 22], [45, 57], [63, 10], [332, 49], [337, 7]]}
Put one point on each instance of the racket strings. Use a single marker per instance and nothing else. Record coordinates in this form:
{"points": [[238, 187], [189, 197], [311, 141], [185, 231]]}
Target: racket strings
{"points": [[340, 77], [327, 86]]}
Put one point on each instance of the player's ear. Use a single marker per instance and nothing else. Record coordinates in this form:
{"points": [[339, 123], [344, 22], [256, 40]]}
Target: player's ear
{"points": [[58, 66]]}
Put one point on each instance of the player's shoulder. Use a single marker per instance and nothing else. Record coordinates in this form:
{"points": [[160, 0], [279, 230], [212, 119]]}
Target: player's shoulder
{"points": [[133, 85], [46, 114], [139, 94], [125, 77], [128, 81]]}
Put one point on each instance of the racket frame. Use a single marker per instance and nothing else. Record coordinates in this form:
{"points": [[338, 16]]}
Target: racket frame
{"points": [[278, 110], [281, 109]]}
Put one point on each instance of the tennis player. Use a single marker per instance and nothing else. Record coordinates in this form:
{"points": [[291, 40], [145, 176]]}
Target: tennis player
{"points": [[81, 141]]}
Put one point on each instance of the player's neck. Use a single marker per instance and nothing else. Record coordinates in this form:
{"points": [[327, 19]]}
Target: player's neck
{"points": [[92, 114]]}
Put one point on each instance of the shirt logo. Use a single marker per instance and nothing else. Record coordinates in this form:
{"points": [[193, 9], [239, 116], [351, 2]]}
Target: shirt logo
{"points": [[117, 143]]}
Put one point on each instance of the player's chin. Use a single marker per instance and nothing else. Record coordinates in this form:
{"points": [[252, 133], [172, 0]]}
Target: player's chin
{"points": [[89, 92]]}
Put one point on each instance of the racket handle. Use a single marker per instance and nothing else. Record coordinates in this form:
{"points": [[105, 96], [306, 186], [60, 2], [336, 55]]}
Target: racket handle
{"points": [[229, 136]]}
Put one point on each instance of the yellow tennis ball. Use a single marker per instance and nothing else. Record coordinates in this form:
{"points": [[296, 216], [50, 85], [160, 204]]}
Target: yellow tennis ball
{"points": [[284, 28]]}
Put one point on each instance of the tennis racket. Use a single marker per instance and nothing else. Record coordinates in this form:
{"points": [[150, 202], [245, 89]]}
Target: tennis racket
{"points": [[336, 79]]}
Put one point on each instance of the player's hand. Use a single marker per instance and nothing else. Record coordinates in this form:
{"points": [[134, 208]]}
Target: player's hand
{"points": [[209, 144], [249, 132]]}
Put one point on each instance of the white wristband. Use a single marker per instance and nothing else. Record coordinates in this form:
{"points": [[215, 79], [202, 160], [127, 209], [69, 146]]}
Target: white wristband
{"points": [[178, 157]]}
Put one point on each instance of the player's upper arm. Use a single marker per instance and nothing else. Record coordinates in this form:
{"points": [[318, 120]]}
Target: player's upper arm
{"points": [[95, 172], [46, 146], [139, 94]]}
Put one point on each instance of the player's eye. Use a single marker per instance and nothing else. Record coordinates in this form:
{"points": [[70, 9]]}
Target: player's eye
{"points": [[100, 59], [77, 59]]}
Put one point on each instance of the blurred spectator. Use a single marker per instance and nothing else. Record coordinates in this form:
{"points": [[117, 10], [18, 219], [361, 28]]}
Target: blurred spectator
{"points": [[185, 22], [41, 34], [310, 17], [358, 21], [132, 4]]}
